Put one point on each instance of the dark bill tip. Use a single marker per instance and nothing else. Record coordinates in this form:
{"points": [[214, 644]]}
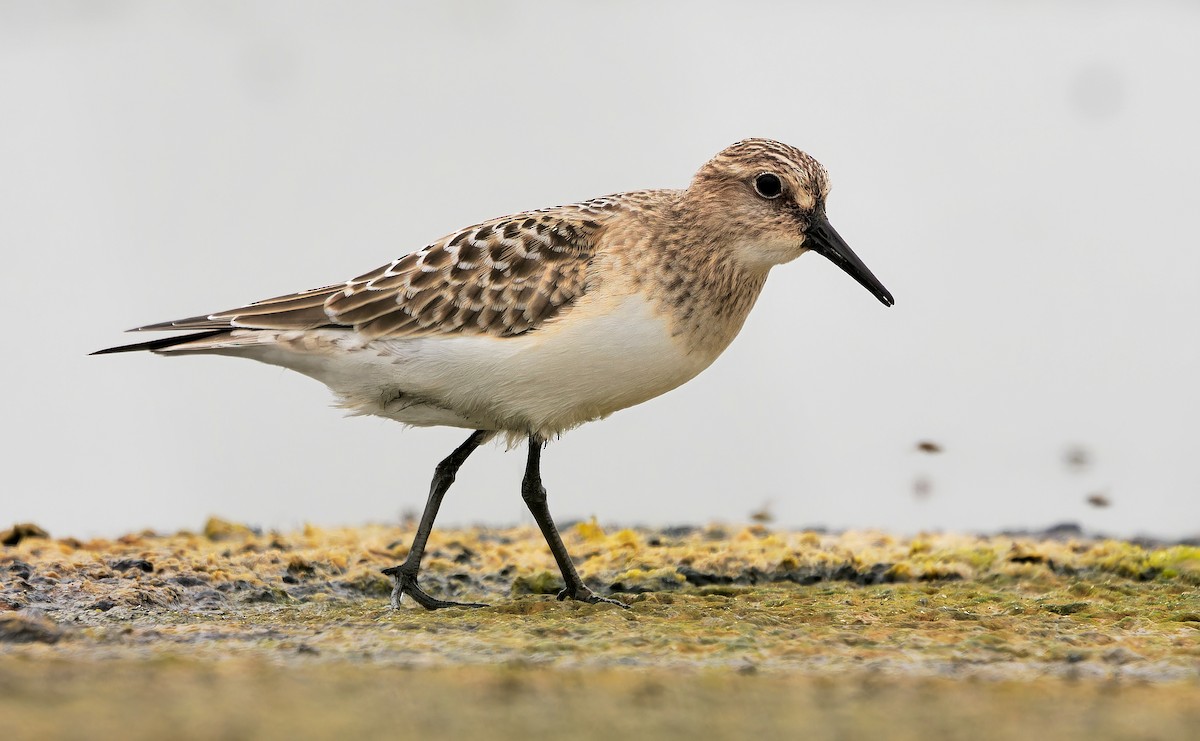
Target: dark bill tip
{"points": [[824, 240]]}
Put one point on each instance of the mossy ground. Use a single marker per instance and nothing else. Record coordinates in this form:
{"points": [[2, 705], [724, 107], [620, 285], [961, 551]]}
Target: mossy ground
{"points": [[228, 633]]}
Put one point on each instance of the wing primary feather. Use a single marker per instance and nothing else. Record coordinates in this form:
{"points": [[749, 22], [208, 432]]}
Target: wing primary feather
{"points": [[160, 344], [192, 322]]}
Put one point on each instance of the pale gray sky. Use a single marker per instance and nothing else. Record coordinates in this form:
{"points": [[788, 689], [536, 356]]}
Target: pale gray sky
{"points": [[1022, 176]]}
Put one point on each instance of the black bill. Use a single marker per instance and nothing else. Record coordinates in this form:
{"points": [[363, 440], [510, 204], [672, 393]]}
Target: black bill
{"points": [[824, 240]]}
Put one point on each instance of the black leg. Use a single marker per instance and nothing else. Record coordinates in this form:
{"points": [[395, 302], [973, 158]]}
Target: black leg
{"points": [[406, 573], [534, 495]]}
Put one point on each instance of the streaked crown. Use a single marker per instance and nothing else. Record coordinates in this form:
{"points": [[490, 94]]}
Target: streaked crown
{"points": [[759, 196], [767, 155]]}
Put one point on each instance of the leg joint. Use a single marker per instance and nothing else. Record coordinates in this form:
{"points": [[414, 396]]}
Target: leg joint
{"points": [[532, 491], [445, 472]]}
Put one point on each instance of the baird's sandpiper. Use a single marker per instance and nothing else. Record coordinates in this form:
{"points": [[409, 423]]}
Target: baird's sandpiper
{"points": [[529, 325]]}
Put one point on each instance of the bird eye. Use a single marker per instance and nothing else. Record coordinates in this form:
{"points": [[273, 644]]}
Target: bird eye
{"points": [[768, 185]]}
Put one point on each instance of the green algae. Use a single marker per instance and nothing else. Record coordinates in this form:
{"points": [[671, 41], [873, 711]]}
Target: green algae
{"points": [[748, 610], [781, 601]]}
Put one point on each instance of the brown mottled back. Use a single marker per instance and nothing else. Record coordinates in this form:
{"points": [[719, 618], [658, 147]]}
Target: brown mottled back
{"points": [[503, 277]]}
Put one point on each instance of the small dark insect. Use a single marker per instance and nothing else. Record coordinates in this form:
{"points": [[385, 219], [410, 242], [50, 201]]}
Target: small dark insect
{"points": [[922, 487], [1099, 500], [1077, 457], [929, 446], [763, 514]]}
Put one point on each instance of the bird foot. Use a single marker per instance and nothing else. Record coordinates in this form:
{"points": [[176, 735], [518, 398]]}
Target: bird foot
{"points": [[406, 583], [583, 594]]}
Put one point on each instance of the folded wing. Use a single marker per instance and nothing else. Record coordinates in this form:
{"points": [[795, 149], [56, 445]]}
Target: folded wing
{"points": [[504, 277]]}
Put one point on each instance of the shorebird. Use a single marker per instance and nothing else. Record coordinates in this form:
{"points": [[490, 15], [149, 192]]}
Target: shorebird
{"points": [[529, 325]]}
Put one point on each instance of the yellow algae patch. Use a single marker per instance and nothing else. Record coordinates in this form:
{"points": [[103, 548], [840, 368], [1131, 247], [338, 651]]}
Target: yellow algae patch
{"points": [[1129, 560], [590, 530], [542, 582], [713, 598], [218, 529], [648, 580]]}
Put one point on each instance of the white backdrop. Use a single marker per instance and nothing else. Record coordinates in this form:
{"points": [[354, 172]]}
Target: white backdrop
{"points": [[1023, 177]]}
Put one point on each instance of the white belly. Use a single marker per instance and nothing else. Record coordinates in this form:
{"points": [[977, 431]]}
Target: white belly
{"points": [[593, 362]]}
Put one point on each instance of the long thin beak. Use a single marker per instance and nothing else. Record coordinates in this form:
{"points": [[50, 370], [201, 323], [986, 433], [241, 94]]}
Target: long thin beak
{"points": [[824, 240]]}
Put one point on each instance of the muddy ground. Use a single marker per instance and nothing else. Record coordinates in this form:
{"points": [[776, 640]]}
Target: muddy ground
{"points": [[733, 632]]}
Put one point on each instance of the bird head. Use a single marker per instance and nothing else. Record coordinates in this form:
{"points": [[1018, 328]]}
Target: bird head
{"points": [[768, 201]]}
